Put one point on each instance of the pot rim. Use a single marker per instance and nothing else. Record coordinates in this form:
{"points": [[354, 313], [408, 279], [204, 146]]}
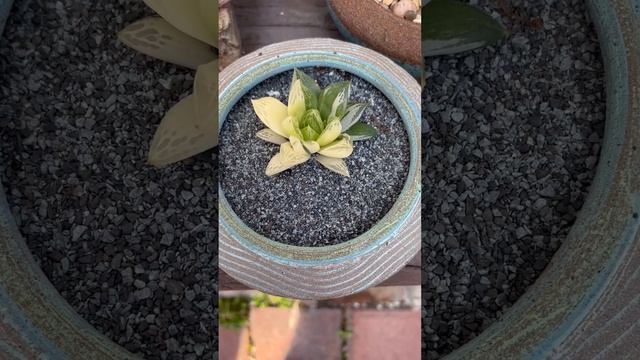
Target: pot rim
{"points": [[256, 68], [347, 10]]}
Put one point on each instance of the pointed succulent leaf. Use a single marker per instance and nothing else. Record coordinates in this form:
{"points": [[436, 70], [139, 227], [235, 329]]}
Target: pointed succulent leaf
{"points": [[334, 164], [450, 27], [312, 118], [205, 91], [361, 131], [311, 146], [272, 113], [307, 81], [288, 157], [271, 136], [155, 37], [353, 114], [333, 99], [291, 127], [196, 18], [180, 136], [340, 148], [308, 133], [296, 100], [331, 132], [296, 143]]}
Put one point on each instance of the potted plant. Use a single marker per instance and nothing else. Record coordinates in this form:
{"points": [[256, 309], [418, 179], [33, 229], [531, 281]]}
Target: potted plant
{"points": [[312, 250], [391, 27]]}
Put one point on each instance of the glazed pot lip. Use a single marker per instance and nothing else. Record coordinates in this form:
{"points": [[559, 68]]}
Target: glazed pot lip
{"points": [[382, 231]]}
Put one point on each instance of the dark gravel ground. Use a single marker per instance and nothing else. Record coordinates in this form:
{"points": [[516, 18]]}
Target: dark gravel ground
{"points": [[132, 249], [514, 137], [309, 205]]}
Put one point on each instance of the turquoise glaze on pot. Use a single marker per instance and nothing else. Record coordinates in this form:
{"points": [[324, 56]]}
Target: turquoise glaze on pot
{"points": [[5, 7], [239, 243], [585, 305], [406, 107]]}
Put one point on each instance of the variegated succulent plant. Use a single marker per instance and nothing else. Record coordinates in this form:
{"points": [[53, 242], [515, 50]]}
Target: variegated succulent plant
{"points": [[186, 34], [315, 121]]}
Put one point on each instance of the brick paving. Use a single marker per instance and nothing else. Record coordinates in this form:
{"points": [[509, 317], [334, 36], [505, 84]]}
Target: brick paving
{"points": [[384, 335], [314, 334], [233, 344]]}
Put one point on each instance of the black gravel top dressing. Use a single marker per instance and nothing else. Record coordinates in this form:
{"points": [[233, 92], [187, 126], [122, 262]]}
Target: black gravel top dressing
{"points": [[514, 138], [309, 205], [131, 248]]}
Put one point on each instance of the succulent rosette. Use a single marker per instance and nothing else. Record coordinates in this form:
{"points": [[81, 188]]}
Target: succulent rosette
{"points": [[316, 122]]}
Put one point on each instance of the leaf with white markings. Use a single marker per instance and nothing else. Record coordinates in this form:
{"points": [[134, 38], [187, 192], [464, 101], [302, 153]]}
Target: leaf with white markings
{"points": [[155, 37], [362, 131]]}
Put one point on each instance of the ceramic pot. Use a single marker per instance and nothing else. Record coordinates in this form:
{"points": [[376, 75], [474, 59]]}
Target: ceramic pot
{"points": [[5, 6], [585, 303], [366, 23], [357, 264]]}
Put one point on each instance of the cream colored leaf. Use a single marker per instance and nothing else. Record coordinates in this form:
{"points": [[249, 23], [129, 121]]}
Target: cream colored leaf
{"points": [[296, 100], [333, 164], [296, 144], [196, 18], [179, 135], [330, 132], [155, 37], [272, 113], [271, 136], [311, 146], [205, 91], [340, 148], [289, 126], [287, 158]]}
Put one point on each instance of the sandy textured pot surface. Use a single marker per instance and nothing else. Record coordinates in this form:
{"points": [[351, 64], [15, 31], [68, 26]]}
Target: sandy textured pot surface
{"points": [[352, 266], [586, 304], [368, 23]]}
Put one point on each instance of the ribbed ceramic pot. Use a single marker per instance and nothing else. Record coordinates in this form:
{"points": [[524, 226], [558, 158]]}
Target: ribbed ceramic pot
{"points": [[365, 22], [357, 264], [586, 303]]}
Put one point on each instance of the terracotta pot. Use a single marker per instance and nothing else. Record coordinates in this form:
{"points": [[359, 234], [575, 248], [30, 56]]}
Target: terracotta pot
{"points": [[367, 23]]}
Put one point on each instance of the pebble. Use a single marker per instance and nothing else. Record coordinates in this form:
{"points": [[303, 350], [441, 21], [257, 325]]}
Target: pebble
{"points": [[348, 206], [407, 9], [511, 145], [77, 115]]}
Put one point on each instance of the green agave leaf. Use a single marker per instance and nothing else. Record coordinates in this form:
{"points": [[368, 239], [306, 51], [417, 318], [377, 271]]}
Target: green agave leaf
{"points": [[328, 104], [450, 26], [312, 118], [310, 88], [361, 131], [309, 134], [307, 81], [353, 114]]}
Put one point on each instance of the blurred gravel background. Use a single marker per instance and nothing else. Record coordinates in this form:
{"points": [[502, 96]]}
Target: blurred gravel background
{"points": [[513, 138], [132, 249]]}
